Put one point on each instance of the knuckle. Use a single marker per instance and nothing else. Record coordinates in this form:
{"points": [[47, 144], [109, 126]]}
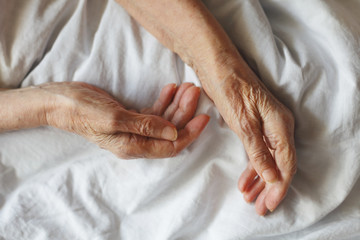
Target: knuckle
{"points": [[260, 158], [293, 169], [161, 150], [288, 154], [273, 140], [129, 147], [130, 152], [114, 120], [113, 126], [291, 164], [145, 126], [283, 147], [247, 128]]}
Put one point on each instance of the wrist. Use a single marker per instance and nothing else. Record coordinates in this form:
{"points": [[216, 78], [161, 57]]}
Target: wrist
{"points": [[223, 68], [204, 45], [57, 106]]}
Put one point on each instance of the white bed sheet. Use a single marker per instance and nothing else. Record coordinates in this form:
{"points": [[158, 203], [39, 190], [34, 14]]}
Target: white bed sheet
{"points": [[56, 185]]}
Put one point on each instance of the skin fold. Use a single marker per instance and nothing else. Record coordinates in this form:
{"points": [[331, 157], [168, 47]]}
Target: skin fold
{"points": [[265, 126], [92, 113]]}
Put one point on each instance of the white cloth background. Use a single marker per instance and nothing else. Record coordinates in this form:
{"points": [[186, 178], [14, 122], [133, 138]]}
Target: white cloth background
{"points": [[56, 185]]}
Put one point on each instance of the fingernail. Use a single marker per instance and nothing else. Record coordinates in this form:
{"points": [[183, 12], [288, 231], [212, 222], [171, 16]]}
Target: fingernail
{"points": [[247, 199], [269, 175], [169, 133], [262, 214]]}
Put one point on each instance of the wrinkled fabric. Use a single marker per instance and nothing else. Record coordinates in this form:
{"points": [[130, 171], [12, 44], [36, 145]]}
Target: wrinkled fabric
{"points": [[57, 185]]}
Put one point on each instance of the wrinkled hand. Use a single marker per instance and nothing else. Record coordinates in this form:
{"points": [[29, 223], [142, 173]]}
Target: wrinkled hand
{"points": [[266, 128], [161, 131], [264, 125]]}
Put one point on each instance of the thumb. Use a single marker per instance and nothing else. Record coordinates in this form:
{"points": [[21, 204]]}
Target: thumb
{"points": [[147, 125], [260, 157]]}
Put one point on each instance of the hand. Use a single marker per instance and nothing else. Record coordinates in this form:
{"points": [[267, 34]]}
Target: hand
{"points": [[94, 114], [266, 129], [264, 125]]}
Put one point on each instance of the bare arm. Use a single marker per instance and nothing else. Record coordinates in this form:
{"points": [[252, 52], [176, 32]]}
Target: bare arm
{"points": [[163, 131], [264, 125], [22, 108], [189, 29]]}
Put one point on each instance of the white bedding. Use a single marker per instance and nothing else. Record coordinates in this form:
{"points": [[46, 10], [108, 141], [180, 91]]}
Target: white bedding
{"points": [[56, 185]]}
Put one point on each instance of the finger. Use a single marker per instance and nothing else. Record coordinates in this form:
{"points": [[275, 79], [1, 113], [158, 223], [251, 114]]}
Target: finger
{"points": [[259, 154], [280, 138], [164, 100], [254, 190], [246, 178], [275, 195], [286, 162], [191, 132], [146, 125], [170, 111], [260, 206], [279, 135], [135, 146], [287, 166], [187, 107]]}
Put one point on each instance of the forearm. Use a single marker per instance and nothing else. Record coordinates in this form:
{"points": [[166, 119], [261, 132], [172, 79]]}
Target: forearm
{"points": [[22, 108], [190, 30]]}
